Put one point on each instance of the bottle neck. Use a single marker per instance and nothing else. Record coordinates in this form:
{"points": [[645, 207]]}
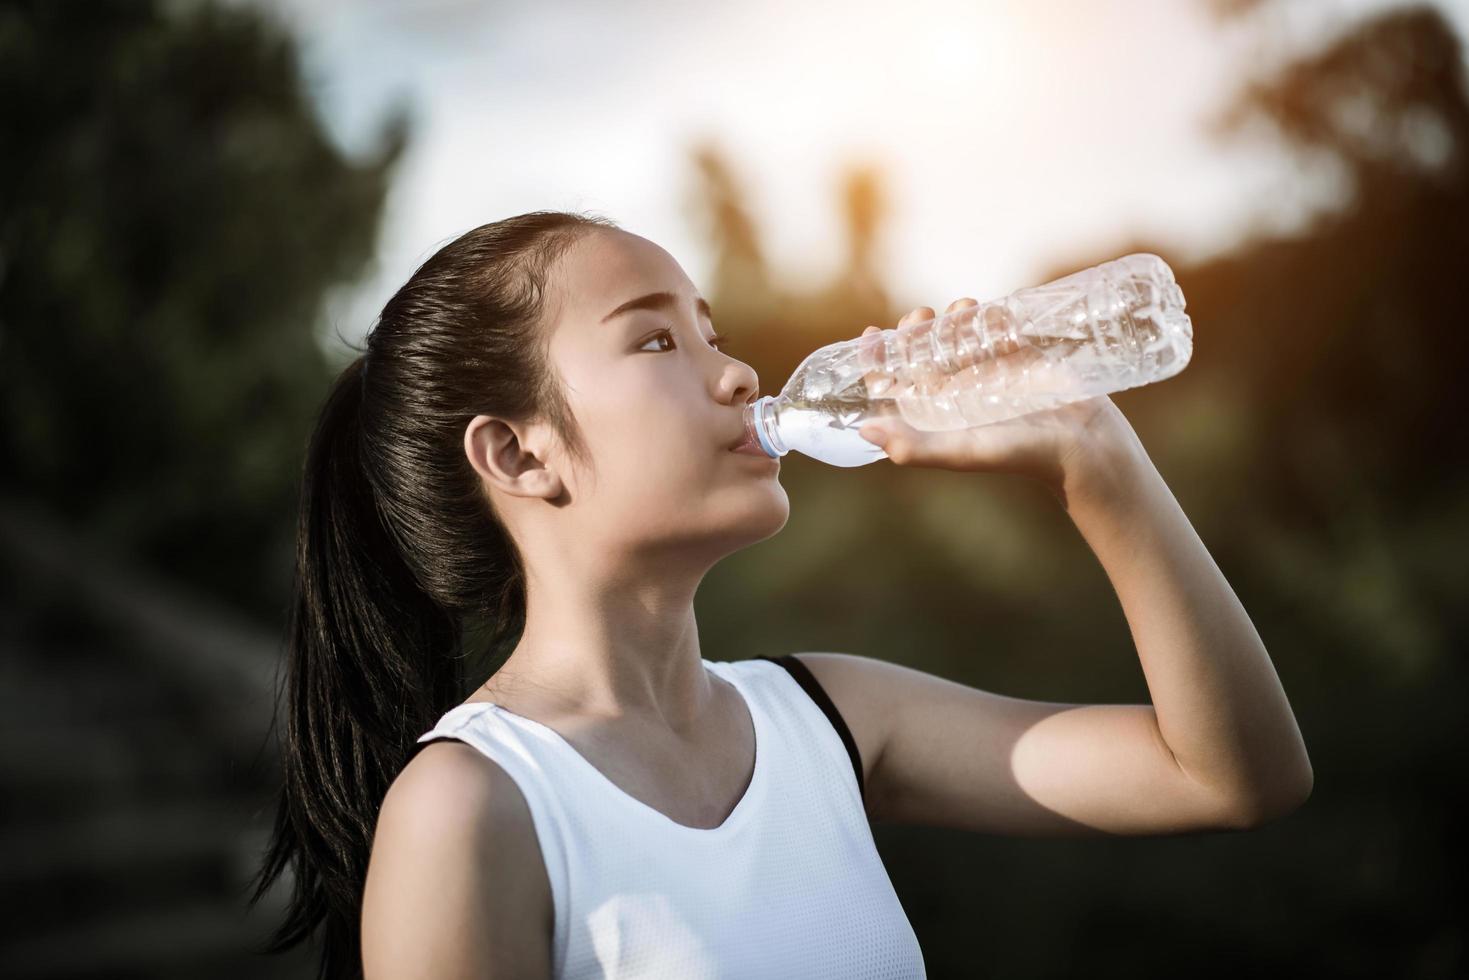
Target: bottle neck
{"points": [[763, 422]]}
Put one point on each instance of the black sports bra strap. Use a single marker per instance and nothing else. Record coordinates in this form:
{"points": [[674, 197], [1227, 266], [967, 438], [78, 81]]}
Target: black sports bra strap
{"points": [[427, 742], [813, 687]]}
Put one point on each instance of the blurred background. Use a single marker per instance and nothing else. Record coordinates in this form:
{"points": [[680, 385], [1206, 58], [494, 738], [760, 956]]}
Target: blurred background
{"points": [[203, 206]]}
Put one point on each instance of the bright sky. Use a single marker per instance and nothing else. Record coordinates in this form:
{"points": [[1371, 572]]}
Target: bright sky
{"points": [[1013, 134]]}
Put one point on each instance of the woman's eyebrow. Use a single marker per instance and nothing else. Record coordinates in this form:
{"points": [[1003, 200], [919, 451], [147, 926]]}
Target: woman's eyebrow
{"points": [[659, 301]]}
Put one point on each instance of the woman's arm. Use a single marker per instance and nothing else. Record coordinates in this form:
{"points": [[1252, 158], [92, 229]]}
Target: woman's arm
{"points": [[1220, 706], [1217, 750]]}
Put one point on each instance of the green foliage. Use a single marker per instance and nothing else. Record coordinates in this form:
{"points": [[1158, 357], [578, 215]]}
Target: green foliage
{"points": [[171, 213]]}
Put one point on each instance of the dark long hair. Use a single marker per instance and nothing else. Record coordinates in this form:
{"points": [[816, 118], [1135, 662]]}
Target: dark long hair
{"points": [[400, 556]]}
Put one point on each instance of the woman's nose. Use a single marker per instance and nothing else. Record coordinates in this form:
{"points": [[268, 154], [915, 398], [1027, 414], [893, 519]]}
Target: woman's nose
{"points": [[739, 383]]}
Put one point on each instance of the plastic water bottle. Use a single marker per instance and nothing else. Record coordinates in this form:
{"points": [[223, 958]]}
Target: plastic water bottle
{"points": [[1114, 326]]}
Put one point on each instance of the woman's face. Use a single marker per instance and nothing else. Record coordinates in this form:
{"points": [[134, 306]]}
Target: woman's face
{"points": [[658, 407]]}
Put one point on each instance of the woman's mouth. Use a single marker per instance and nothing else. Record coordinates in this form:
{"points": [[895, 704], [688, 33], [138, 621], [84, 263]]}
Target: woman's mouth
{"points": [[749, 446], [749, 442]]}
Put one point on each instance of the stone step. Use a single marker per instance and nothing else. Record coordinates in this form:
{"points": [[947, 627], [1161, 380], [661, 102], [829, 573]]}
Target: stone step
{"points": [[120, 836], [58, 769], [193, 939], [125, 859]]}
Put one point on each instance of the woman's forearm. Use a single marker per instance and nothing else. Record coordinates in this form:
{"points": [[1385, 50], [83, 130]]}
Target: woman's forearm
{"points": [[1220, 706]]}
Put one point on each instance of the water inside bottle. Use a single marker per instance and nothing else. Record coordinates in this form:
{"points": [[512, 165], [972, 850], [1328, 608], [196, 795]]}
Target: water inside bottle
{"points": [[831, 439]]}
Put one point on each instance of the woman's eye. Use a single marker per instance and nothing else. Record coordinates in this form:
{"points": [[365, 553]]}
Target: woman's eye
{"points": [[718, 341], [658, 336]]}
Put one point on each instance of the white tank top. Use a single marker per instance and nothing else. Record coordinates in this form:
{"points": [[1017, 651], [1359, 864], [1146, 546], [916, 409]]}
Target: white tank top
{"points": [[790, 885]]}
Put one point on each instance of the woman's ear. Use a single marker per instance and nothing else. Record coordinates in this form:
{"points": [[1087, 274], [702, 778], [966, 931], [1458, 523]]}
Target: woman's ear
{"points": [[510, 457]]}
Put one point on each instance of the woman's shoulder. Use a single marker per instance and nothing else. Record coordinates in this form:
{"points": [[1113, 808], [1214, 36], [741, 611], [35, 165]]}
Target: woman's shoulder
{"points": [[452, 790], [448, 775], [455, 848]]}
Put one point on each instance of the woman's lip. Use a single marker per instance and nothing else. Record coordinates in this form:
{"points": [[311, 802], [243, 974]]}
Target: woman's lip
{"points": [[750, 448], [749, 443]]}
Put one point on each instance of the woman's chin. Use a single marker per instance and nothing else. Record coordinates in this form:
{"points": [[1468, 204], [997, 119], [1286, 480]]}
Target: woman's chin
{"points": [[773, 516]]}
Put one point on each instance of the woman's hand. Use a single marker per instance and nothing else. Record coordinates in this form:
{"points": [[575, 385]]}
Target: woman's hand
{"points": [[1062, 447]]}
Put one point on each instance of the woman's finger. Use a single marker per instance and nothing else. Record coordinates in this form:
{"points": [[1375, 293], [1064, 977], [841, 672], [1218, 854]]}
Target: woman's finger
{"points": [[952, 449], [958, 334], [872, 359], [917, 315]]}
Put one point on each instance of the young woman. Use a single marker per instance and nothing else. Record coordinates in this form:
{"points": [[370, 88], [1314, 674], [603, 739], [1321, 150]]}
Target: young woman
{"points": [[539, 436]]}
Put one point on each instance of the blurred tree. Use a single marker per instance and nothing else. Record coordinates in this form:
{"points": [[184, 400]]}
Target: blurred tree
{"points": [[1354, 330], [171, 214], [1347, 340], [741, 290], [865, 208]]}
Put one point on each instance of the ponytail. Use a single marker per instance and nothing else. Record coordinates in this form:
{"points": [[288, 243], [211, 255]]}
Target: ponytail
{"points": [[399, 554]]}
